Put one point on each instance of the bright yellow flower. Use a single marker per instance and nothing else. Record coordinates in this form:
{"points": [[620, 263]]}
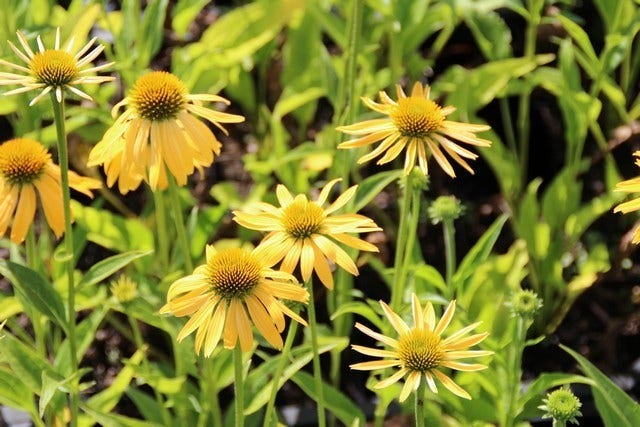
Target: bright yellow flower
{"points": [[219, 294], [419, 125], [422, 350], [630, 186], [302, 230], [157, 131], [53, 69], [26, 166]]}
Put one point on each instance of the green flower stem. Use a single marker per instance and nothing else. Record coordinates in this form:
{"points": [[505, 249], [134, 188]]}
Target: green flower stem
{"points": [[514, 372], [137, 337], [34, 262], [379, 413], [63, 161], [161, 226], [238, 385], [179, 219], [558, 423], [317, 372], [284, 358], [404, 237], [419, 405], [449, 233]]}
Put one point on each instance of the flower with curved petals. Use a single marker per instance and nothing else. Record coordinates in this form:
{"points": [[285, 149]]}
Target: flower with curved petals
{"points": [[158, 131], [630, 186], [26, 167], [234, 285], [418, 124], [422, 350], [53, 69], [301, 230]]}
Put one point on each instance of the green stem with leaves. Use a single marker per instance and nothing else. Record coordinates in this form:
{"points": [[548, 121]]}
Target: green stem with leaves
{"points": [[269, 417], [68, 258], [176, 207], [238, 385], [317, 372]]}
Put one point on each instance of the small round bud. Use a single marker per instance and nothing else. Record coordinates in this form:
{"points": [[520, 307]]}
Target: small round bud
{"points": [[562, 405], [419, 181], [524, 303], [124, 289], [445, 208]]}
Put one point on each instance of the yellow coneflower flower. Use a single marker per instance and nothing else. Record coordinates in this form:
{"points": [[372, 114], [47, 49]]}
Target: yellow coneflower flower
{"points": [[419, 125], [422, 351], [158, 131], [302, 230], [26, 166], [630, 186], [53, 69], [219, 294]]}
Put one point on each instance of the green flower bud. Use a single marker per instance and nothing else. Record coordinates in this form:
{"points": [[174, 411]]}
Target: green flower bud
{"points": [[124, 289], [562, 405], [445, 208], [524, 303]]}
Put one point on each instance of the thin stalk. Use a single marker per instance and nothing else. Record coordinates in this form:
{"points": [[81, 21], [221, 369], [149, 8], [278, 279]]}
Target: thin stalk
{"points": [[161, 225], [419, 405], [34, 262], [507, 124], [449, 233], [558, 423], [514, 372], [379, 413], [412, 228], [401, 244], [137, 337], [174, 199], [284, 358], [317, 372], [63, 161], [238, 385]]}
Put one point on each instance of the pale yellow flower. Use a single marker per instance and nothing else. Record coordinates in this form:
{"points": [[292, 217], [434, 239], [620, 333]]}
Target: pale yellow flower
{"points": [[222, 295], [53, 69], [157, 131], [419, 125], [302, 230], [422, 351], [26, 167], [630, 186]]}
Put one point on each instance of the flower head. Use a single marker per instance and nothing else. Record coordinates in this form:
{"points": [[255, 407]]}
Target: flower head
{"points": [[219, 294], [562, 405], [445, 208], [53, 69], [26, 166], [418, 124], [124, 289], [302, 230], [157, 131], [422, 350], [524, 303], [630, 186]]}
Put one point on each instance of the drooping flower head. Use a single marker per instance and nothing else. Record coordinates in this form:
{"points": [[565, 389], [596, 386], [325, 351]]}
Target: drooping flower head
{"points": [[157, 131], [302, 230], [422, 350], [630, 186], [26, 166], [419, 125], [53, 69], [222, 295]]}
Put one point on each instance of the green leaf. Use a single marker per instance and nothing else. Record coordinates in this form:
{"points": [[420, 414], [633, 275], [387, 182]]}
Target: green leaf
{"points": [[491, 33], [535, 391], [111, 420], [105, 268], [289, 103], [152, 29], [479, 252], [14, 392], [580, 37], [615, 406], [148, 407], [363, 309], [336, 402], [35, 290], [371, 186], [184, 14]]}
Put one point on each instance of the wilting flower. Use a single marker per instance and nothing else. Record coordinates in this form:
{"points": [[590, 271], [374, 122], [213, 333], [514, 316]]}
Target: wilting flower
{"points": [[53, 69], [26, 166], [630, 186], [302, 230], [219, 294], [421, 350], [157, 131], [419, 125]]}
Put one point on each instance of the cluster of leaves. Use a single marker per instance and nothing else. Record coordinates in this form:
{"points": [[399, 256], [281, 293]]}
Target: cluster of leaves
{"points": [[295, 68]]}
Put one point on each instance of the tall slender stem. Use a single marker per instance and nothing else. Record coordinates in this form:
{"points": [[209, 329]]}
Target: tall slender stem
{"points": [[317, 372], [238, 385], [63, 161], [401, 245], [449, 233], [419, 405], [284, 357], [179, 219], [161, 226]]}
